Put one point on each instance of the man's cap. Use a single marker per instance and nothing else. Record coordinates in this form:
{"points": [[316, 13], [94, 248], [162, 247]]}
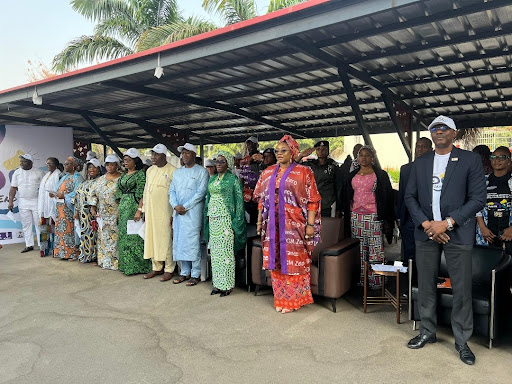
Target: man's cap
{"points": [[238, 155], [322, 143], [188, 147], [160, 148], [112, 159], [268, 150], [148, 162], [443, 120], [27, 156], [133, 153], [94, 161], [91, 155], [209, 163], [253, 139]]}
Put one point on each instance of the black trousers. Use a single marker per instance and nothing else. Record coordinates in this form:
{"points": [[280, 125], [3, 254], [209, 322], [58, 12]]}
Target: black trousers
{"points": [[408, 243], [458, 261]]}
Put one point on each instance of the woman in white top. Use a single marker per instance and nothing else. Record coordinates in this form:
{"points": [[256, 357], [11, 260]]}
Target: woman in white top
{"points": [[46, 206]]}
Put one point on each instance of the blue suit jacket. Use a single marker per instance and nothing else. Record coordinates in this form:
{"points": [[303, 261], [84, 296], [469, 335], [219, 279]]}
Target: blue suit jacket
{"points": [[463, 194], [402, 213]]}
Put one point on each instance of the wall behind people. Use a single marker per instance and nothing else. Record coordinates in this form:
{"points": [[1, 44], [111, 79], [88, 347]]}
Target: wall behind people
{"points": [[41, 143]]}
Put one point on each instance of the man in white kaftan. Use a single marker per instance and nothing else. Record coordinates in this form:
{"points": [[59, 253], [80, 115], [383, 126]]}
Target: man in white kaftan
{"points": [[187, 194], [25, 181]]}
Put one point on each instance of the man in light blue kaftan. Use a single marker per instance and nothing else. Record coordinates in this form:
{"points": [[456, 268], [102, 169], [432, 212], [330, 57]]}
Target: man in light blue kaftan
{"points": [[186, 195]]}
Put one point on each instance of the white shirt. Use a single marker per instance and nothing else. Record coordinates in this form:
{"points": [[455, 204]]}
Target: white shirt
{"points": [[46, 204], [440, 163], [27, 182]]}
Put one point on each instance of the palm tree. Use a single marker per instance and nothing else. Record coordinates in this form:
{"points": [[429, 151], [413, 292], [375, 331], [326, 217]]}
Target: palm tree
{"points": [[122, 28], [127, 26]]}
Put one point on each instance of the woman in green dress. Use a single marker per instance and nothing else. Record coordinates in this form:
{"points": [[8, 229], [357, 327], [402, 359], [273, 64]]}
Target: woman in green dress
{"points": [[225, 226], [130, 189], [88, 234]]}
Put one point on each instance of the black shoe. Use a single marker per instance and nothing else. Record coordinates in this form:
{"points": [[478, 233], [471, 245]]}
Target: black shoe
{"points": [[466, 355], [225, 293], [215, 291], [27, 249], [420, 341]]}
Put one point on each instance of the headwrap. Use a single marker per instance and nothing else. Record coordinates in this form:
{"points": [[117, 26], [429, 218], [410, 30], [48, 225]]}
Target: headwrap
{"points": [[228, 156], [370, 148], [292, 143]]}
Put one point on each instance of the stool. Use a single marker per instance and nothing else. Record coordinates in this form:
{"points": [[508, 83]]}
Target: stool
{"points": [[386, 297]]}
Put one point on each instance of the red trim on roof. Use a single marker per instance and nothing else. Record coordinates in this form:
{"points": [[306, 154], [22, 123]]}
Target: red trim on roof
{"points": [[187, 41]]}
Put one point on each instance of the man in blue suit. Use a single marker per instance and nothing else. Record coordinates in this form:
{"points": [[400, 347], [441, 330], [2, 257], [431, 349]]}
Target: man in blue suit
{"points": [[446, 189], [405, 222]]}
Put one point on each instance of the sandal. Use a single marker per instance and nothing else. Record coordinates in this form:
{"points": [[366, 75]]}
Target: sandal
{"points": [[193, 281], [287, 310], [181, 279], [225, 293], [215, 291]]}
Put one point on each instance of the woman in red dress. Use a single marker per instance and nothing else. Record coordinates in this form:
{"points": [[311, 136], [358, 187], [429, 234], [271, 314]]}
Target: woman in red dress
{"points": [[289, 224]]}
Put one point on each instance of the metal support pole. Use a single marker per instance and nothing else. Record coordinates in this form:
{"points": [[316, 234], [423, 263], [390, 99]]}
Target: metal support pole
{"points": [[201, 148], [388, 102], [98, 131]]}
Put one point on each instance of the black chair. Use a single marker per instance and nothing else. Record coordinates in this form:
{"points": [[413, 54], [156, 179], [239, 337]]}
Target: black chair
{"points": [[492, 298]]}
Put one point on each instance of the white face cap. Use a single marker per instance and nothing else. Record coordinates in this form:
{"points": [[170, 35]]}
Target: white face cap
{"points": [[253, 139], [148, 162], [27, 156], [112, 159], [160, 148], [238, 155], [94, 162], [133, 153], [443, 120], [209, 163], [188, 147], [91, 155]]}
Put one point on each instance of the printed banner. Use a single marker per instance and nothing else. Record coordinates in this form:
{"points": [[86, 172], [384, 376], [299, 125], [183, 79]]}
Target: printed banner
{"points": [[41, 143]]}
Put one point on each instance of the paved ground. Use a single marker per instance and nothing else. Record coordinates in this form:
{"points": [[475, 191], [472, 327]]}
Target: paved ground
{"points": [[64, 322]]}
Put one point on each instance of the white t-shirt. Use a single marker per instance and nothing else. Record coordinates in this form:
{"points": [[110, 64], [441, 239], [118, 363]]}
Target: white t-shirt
{"points": [[440, 163], [27, 182]]}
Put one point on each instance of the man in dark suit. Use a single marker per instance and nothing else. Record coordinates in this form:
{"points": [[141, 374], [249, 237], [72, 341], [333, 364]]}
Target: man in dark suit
{"points": [[423, 145], [446, 189]]}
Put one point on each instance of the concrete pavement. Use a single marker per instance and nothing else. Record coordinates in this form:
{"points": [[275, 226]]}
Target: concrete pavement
{"points": [[65, 322]]}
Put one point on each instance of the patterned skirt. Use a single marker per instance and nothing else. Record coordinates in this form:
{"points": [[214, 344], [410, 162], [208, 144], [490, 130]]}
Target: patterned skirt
{"points": [[65, 247], [222, 252], [291, 291], [47, 236], [368, 230]]}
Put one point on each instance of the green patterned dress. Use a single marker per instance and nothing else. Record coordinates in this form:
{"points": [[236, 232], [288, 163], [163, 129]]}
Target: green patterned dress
{"points": [[130, 189], [225, 227]]}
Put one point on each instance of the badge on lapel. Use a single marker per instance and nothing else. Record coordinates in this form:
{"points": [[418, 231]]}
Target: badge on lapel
{"points": [[455, 159]]}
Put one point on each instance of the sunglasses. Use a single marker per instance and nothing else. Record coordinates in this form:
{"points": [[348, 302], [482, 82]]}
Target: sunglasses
{"points": [[499, 157], [220, 162], [283, 151], [439, 128]]}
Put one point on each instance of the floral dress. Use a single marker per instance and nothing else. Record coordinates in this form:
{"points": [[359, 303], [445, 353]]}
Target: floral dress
{"points": [[64, 245], [130, 189], [103, 196], [88, 236]]}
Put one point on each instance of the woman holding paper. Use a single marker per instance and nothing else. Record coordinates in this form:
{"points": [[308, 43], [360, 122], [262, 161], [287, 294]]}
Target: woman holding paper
{"points": [[46, 207], [83, 215], [130, 188], [104, 206], [65, 247]]}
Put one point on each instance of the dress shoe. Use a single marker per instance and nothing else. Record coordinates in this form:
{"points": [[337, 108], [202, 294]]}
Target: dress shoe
{"points": [[420, 341], [466, 355], [167, 276], [27, 249], [153, 274]]}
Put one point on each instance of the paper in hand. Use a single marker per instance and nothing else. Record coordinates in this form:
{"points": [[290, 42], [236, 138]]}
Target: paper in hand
{"points": [[142, 231], [99, 220], [10, 215], [77, 228], [133, 227]]}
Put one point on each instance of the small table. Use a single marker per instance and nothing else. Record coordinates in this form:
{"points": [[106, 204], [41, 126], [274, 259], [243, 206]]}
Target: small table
{"points": [[386, 297]]}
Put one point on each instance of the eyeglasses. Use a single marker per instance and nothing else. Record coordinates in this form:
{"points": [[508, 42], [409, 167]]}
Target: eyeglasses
{"points": [[283, 151], [220, 162], [439, 128], [499, 157]]}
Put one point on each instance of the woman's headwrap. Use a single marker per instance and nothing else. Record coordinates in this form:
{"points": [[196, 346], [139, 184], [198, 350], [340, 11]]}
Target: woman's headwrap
{"points": [[292, 143], [370, 148], [228, 156]]}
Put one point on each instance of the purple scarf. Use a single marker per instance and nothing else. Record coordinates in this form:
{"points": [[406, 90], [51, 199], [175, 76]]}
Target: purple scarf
{"points": [[272, 220]]}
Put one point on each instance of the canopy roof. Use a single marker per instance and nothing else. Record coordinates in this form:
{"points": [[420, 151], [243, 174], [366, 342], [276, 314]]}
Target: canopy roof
{"points": [[318, 69]]}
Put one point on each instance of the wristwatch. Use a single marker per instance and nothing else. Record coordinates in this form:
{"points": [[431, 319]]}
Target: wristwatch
{"points": [[450, 224], [139, 209]]}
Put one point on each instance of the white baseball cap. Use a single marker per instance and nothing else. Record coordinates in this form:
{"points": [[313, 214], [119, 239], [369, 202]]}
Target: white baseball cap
{"points": [[443, 120], [188, 147], [27, 156], [160, 148], [148, 162], [94, 162], [133, 153], [238, 155], [112, 159], [253, 139], [91, 155], [209, 163]]}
